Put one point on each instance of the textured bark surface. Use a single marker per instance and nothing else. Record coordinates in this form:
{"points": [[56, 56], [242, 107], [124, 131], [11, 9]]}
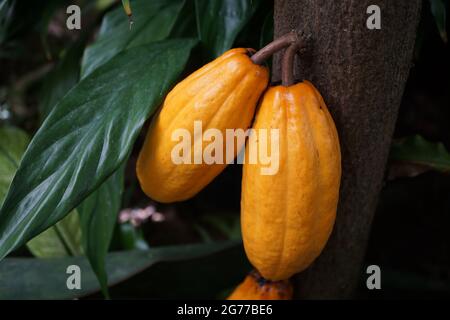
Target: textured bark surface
{"points": [[361, 74]]}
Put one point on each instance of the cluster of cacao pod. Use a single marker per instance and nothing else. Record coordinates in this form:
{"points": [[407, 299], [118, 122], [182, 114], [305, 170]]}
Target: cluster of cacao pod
{"points": [[286, 217]]}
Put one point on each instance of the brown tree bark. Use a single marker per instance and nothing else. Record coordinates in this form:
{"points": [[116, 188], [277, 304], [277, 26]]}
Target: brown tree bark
{"points": [[361, 74]]}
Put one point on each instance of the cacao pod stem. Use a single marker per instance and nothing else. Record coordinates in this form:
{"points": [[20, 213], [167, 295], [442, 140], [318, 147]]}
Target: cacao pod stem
{"points": [[275, 46], [287, 65]]}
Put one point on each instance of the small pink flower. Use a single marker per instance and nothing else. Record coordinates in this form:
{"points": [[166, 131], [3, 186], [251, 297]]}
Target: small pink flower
{"points": [[139, 215]]}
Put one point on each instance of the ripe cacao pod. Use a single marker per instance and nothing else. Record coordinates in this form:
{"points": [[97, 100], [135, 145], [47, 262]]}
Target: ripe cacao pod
{"points": [[255, 287], [287, 217], [222, 95]]}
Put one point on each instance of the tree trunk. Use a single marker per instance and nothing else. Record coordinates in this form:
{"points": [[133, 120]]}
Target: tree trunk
{"points": [[361, 74]]}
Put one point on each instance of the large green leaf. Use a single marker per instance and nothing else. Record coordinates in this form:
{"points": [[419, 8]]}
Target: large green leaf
{"points": [[418, 151], [62, 239], [99, 211], [98, 216], [219, 22], [86, 138], [25, 278], [152, 21]]}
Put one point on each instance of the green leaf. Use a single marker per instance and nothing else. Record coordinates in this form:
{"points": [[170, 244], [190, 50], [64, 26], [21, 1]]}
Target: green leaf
{"points": [[417, 150], [48, 244], [439, 12], [13, 142], [132, 238], [219, 22], [60, 240], [227, 223], [205, 277], [204, 234], [152, 21], [105, 201], [26, 278], [98, 217], [63, 238], [86, 137]]}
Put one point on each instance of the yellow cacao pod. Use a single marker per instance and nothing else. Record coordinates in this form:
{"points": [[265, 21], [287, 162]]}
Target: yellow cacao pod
{"points": [[222, 95], [255, 287], [287, 217]]}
